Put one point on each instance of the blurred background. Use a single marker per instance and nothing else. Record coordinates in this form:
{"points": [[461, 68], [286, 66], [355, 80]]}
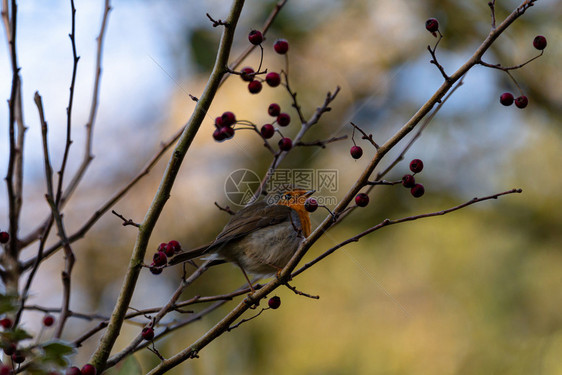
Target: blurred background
{"points": [[478, 291]]}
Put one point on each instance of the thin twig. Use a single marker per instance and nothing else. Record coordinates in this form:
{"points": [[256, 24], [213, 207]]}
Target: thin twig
{"points": [[75, 59], [508, 68], [321, 143], [293, 94], [226, 209], [246, 320], [57, 217], [388, 222], [492, 5], [216, 22], [72, 314], [368, 137], [88, 156], [299, 293], [125, 220], [434, 57]]}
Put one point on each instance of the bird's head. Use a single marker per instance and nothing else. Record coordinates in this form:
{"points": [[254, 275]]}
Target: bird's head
{"points": [[295, 198]]}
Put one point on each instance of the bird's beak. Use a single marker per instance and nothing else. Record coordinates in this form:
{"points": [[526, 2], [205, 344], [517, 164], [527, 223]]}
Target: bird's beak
{"points": [[308, 193]]}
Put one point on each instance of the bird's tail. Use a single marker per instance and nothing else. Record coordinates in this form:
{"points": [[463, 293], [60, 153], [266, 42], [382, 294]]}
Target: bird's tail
{"points": [[188, 255]]}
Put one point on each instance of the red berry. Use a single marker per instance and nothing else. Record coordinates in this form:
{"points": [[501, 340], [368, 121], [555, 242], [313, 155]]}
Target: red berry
{"points": [[10, 349], [162, 246], [6, 370], [521, 101], [267, 131], [281, 46], [6, 323], [247, 74], [408, 181], [274, 302], [506, 99], [227, 132], [285, 144], [356, 152], [311, 204], [416, 165], [73, 371], [173, 247], [155, 270], [169, 250], [218, 122], [255, 37], [147, 333], [283, 119], [159, 259], [254, 87], [274, 109], [432, 25], [273, 79], [89, 369], [18, 357], [48, 320], [539, 42], [361, 199], [417, 190], [218, 136], [228, 118], [4, 237]]}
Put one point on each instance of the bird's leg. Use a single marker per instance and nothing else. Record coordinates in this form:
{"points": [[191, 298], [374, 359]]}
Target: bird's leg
{"points": [[248, 280]]}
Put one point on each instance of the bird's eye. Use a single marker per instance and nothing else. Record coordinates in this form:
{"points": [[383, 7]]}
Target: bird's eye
{"points": [[287, 196]]}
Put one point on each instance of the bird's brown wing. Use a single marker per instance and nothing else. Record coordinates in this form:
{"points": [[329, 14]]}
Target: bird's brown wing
{"points": [[247, 220], [250, 219]]}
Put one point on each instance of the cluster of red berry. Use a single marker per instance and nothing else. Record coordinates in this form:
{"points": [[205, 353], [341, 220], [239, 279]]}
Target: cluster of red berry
{"points": [[507, 98], [521, 101], [160, 257], [225, 124], [408, 181]]}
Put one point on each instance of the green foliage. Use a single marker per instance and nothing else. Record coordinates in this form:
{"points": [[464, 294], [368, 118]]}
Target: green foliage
{"points": [[56, 352], [14, 335], [8, 303]]}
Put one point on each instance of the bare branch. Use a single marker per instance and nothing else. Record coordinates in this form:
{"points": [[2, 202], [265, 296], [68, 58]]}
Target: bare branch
{"points": [[125, 220], [321, 143], [57, 217], [368, 137], [88, 156], [388, 222], [225, 209], [216, 22], [99, 358], [75, 59]]}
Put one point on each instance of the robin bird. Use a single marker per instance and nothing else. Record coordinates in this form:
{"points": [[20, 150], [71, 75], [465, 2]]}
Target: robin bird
{"points": [[260, 238]]}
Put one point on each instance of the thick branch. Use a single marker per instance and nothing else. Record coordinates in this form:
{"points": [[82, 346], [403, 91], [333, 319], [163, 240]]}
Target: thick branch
{"points": [[103, 350]]}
